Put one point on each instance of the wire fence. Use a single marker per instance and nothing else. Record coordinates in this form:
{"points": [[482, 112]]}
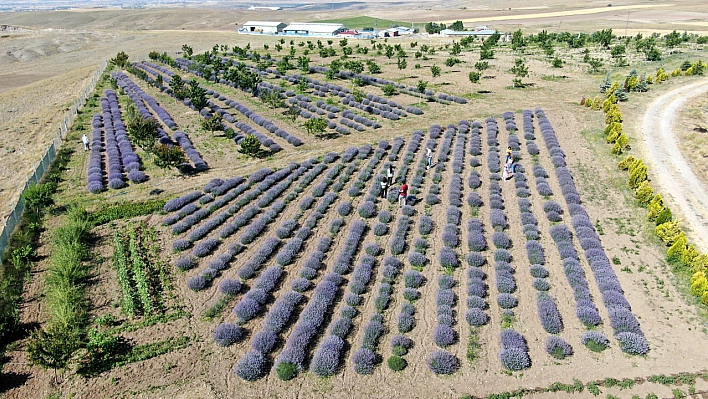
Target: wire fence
{"points": [[43, 165]]}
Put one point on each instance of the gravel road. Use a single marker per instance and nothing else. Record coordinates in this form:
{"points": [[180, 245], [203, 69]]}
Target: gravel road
{"points": [[678, 184]]}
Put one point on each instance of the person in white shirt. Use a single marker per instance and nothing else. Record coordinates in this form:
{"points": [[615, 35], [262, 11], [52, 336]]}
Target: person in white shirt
{"points": [[429, 154], [389, 173], [384, 188], [85, 140]]}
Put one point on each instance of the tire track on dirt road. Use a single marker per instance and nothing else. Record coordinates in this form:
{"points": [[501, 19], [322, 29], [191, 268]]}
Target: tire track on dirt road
{"points": [[679, 185]]}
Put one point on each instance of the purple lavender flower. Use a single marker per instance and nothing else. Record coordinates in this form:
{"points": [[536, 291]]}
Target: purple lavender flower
{"points": [[442, 362]]}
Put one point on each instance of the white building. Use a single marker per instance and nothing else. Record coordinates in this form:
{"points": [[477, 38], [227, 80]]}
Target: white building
{"points": [[263, 26], [396, 32], [314, 29]]}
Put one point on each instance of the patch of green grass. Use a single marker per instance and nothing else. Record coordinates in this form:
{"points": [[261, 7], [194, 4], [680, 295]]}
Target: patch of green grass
{"points": [[473, 345], [218, 307], [472, 96], [366, 22]]}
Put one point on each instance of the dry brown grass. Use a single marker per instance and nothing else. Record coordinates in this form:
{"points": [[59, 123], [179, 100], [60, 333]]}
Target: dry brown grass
{"points": [[46, 85]]}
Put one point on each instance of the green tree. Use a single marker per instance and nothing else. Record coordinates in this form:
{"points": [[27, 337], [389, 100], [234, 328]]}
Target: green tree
{"points": [[654, 54], [302, 85], [143, 132], [187, 50], [358, 95], [316, 126], [432, 27], [604, 37], [481, 66], [402, 64], [250, 146], [595, 64], [373, 67], [389, 52], [53, 348], [389, 90], [486, 53], [422, 85], [557, 63], [520, 69], [343, 42], [475, 76], [618, 50], [213, 124], [273, 99], [435, 70], [292, 112], [168, 156], [38, 196], [197, 94], [303, 63], [120, 60], [452, 61], [517, 40], [457, 26], [673, 39]]}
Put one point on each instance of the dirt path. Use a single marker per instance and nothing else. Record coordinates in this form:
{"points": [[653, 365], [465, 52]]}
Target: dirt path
{"points": [[679, 184]]}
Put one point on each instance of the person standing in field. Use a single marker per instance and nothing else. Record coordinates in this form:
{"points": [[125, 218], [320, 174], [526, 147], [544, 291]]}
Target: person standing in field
{"points": [[403, 194], [384, 188], [429, 155], [389, 173], [85, 140]]}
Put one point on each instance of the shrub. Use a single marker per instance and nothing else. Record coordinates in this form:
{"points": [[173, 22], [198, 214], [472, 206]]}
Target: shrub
{"points": [[417, 259], [406, 322], [595, 341], [205, 247], [196, 283], [326, 359], [632, 343], [396, 363], [588, 315], [251, 366], [410, 294], [367, 209], [185, 263], [448, 258], [475, 259], [384, 216], [507, 301], [344, 208], [444, 336], [264, 341], [300, 284], [226, 334], [445, 297], [413, 279], [446, 281], [425, 225], [541, 284], [287, 370], [558, 348], [372, 249], [548, 314], [476, 242], [364, 361], [476, 302], [476, 316], [442, 362], [230, 286], [514, 358], [501, 240]]}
